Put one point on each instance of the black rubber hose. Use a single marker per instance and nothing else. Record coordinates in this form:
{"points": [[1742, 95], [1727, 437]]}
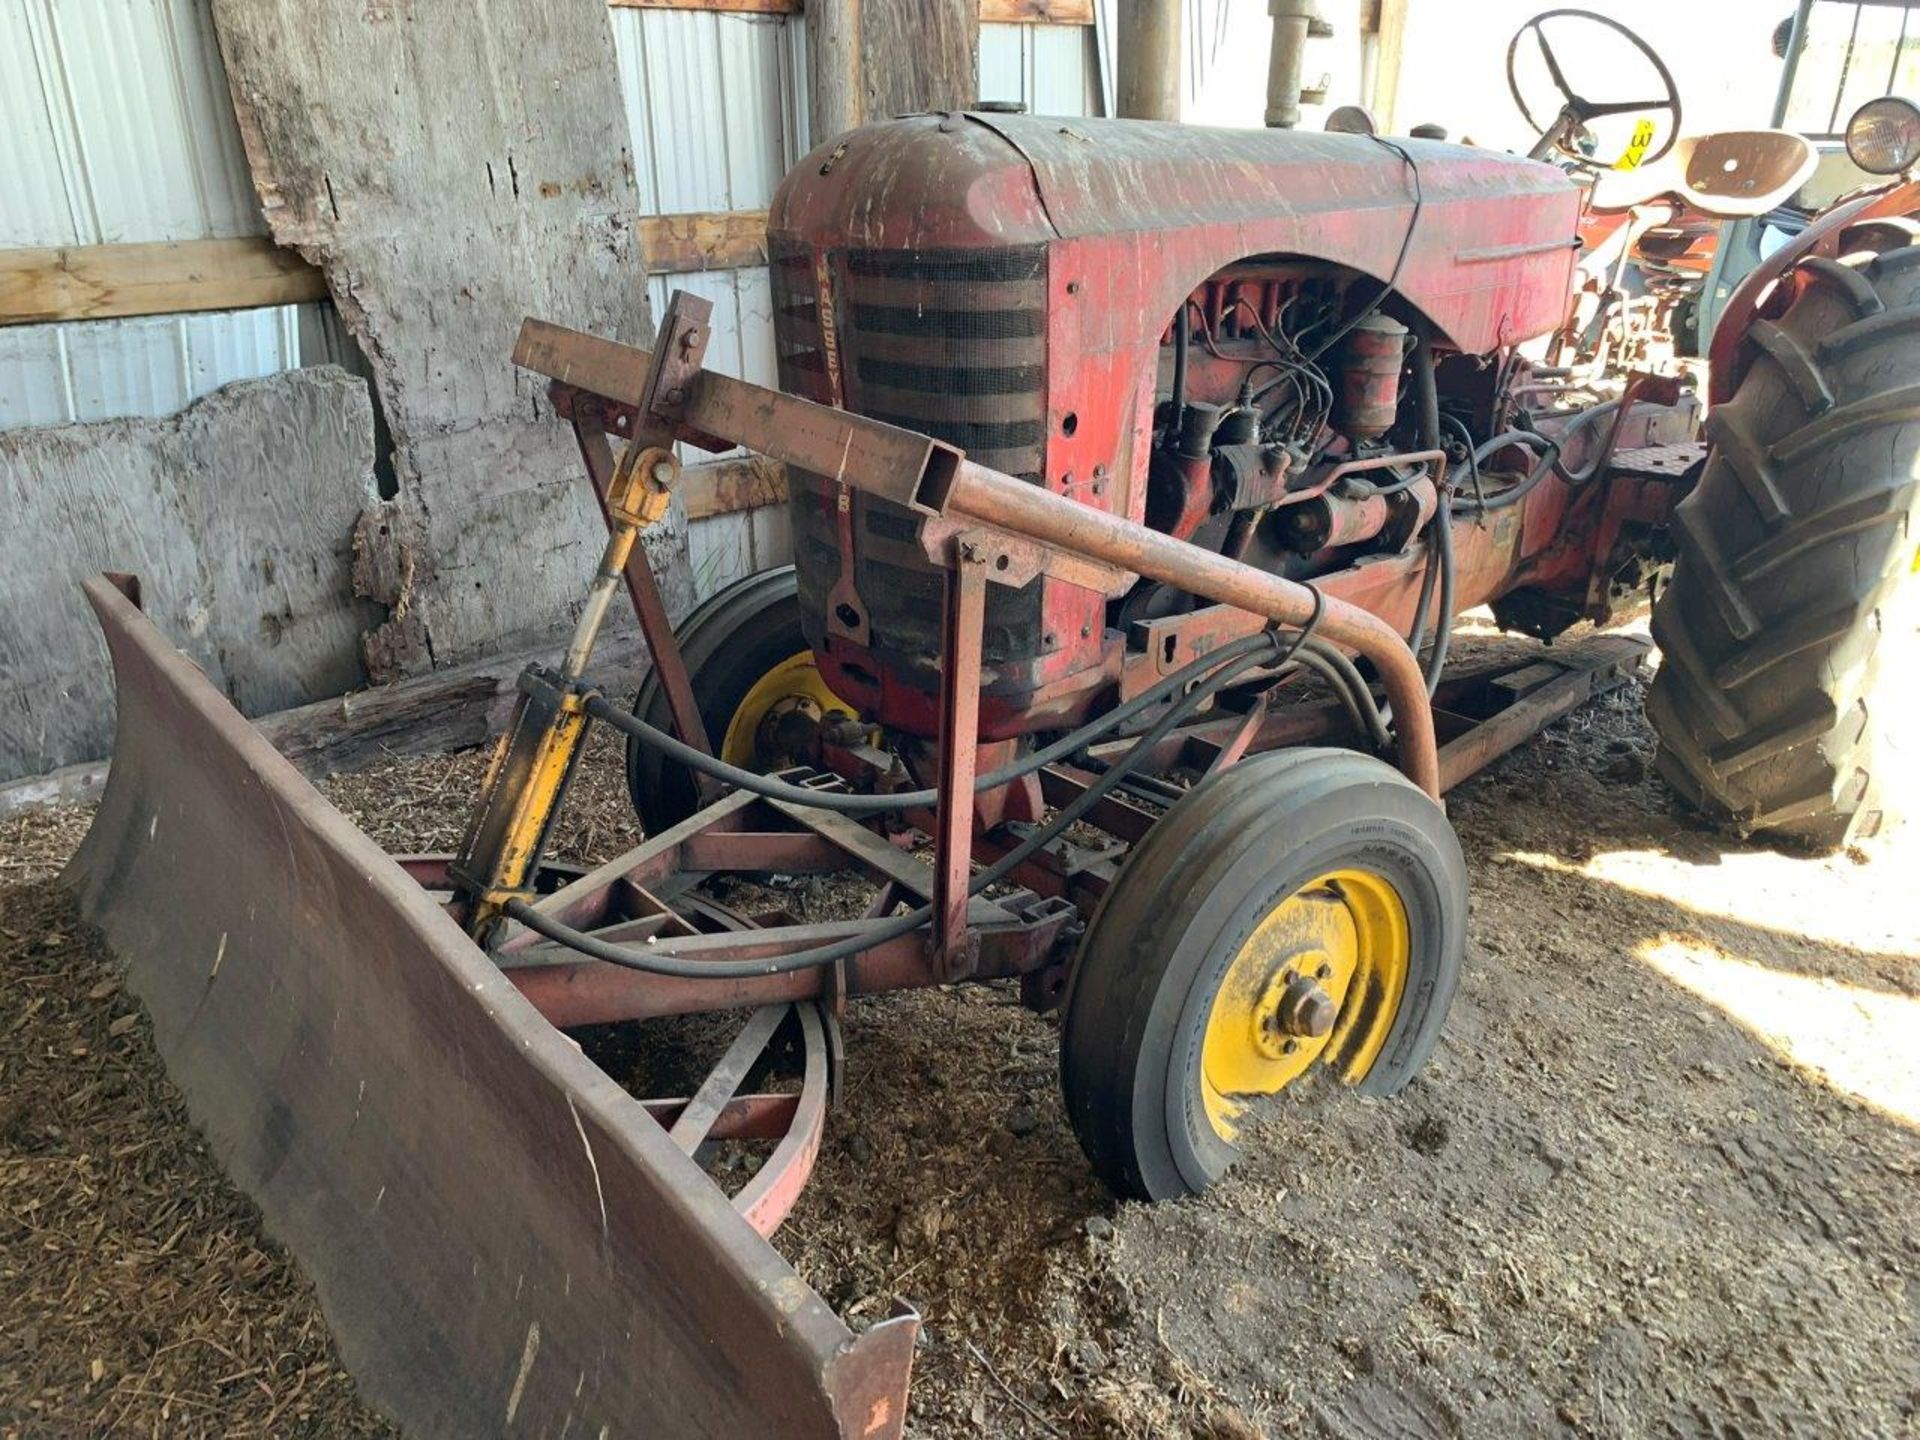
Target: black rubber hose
{"points": [[1351, 690], [1417, 636], [1466, 437], [1428, 394], [1181, 339], [600, 708], [1550, 459], [1581, 422], [1443, 628], [678, 967]]}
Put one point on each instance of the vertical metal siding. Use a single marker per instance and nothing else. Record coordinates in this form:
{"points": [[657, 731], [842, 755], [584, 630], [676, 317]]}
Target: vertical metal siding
{"points": [[1050, 69], [118, 124], [118, 129], [154, 366], [716, 104]]}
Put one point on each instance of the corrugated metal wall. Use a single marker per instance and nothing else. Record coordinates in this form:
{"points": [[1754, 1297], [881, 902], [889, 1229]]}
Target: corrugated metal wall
{"points": [[1051, 69], [717, 105], [116, 128]]}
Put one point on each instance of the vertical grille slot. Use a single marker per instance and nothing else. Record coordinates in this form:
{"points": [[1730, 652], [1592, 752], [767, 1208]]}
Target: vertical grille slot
{"points": [[796, 323]]}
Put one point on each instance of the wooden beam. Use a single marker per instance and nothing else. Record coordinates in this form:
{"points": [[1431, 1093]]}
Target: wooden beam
{"points": [[723, 487], [722, 240], [97, 282], [94, 282], [1036, 12], [737, 7], [918, 57], [1391, 42], [834, 102], [992, 12]]}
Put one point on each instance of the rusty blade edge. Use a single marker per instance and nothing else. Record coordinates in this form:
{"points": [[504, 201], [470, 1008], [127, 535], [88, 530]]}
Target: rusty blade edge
{"points": [[502, 1239]]}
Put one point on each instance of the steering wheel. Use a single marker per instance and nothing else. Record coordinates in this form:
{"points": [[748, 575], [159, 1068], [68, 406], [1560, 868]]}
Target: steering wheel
{"points": [[1576, 110]]}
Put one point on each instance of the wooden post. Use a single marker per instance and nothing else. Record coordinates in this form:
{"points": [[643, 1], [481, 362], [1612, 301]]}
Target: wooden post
{"points": [[833, 68], [918, 55], [1149, 59], [874, 59], [1391, 44]]}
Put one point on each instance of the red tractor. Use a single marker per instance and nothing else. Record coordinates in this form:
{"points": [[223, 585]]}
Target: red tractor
{"points": [[1295, 351], [1137, 475]]}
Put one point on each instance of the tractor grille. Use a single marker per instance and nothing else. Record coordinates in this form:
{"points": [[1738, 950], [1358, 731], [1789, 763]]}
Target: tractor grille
{"points": [[951, 343]]}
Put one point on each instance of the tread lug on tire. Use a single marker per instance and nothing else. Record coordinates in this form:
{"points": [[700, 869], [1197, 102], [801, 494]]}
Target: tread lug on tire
{"points": [[1795, 585]]}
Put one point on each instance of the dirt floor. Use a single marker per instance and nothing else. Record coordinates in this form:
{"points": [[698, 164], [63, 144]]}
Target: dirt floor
{"points": [[1661, 1178]]}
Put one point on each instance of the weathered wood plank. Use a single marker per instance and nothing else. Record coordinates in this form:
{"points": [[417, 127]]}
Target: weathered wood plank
{"points": [[732, 7], [238, 514], [96, 282], [725, 486], [720, 240], [501, 186], [992, 12], [1036, 12]]}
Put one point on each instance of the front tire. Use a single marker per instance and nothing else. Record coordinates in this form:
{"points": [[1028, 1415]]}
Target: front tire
{"points": [[745, 655], [1778, 629], [1290, 873]]}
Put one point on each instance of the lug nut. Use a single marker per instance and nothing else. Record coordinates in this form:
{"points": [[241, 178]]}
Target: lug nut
{"points": [[1306, 1009]]}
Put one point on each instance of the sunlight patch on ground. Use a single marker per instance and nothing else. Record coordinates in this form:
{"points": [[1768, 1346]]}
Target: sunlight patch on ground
{"points": [[1865, 1043], [1870, 908]]}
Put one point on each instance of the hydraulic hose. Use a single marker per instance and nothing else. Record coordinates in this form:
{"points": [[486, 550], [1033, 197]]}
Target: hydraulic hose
{"points": [[680, 967], [986, 497], [1549, 462], [1351, 690], [1428, 396], [1583, 421], [1182, 329], [694, 758]]}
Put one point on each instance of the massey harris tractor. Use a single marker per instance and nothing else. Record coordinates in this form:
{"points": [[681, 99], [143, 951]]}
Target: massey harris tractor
{"points": [[1137, 474]]}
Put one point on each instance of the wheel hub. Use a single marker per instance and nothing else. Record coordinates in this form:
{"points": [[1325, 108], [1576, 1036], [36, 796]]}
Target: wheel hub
{"points": [[1319, 978], [777, 721], [789, 733]]}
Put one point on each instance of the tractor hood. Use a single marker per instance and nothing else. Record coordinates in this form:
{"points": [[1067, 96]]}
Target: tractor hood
{"points": [[1488, 262]]}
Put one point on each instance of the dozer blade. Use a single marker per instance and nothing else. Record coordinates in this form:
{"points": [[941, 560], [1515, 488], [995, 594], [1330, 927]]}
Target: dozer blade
{"points": [[503, 1240]]}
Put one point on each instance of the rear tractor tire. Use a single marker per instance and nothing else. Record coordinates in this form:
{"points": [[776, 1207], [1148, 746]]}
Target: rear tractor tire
{"points": [[1789, 615], [1303, 907], [759, 693]]}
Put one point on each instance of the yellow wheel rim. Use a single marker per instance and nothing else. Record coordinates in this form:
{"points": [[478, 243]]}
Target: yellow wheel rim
{"points": [[795, 681], [1338, 945]]}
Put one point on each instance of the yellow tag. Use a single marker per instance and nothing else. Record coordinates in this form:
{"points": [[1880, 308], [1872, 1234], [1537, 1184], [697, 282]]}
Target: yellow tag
{"points": [[1636, 147]]}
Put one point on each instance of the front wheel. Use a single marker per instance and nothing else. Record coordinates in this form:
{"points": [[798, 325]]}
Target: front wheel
{"points": [[1306, 907], [760, 695]]}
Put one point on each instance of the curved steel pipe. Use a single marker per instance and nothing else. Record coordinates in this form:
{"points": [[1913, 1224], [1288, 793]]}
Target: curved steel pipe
{"points": [[980, 494]]}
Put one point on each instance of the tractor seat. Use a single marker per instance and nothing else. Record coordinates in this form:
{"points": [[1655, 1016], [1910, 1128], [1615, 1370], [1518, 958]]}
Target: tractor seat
{"points": [[1731, 174]]}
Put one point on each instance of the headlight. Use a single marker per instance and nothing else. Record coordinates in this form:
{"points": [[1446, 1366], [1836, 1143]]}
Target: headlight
{"points": [[1883, 137]]}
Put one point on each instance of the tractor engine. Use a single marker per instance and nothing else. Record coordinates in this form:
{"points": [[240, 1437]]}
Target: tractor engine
{"points": [[1204, 330]]}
